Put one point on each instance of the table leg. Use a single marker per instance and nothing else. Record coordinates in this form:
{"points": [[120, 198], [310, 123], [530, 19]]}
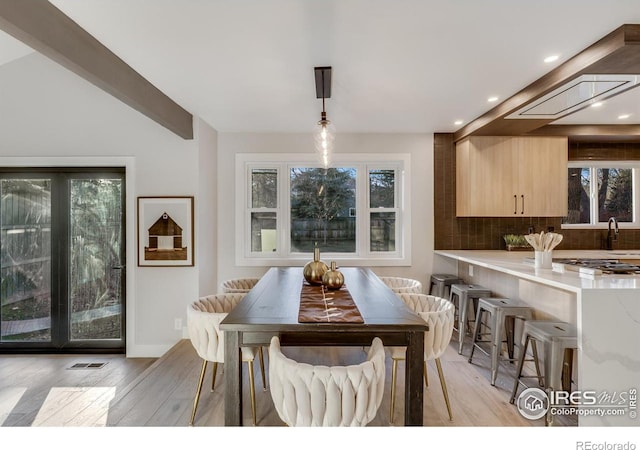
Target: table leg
{"points": [[413, 393], [232, 379]]}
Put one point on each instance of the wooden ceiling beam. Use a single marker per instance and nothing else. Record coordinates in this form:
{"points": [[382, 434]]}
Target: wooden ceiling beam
{"points": [[616, 53], [591, 133], [47, 30]]}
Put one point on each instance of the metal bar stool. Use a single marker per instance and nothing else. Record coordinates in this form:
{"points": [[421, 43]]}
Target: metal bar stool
{"points": [[502, 312], [441, 282], [559, 340], [460, 295]]}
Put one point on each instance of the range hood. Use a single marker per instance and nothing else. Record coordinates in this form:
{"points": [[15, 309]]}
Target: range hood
{"points": [[575, 95]]}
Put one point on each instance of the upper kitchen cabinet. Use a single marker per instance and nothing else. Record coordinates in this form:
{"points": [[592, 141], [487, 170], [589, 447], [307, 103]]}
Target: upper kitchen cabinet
{"points": [[511, 176]]}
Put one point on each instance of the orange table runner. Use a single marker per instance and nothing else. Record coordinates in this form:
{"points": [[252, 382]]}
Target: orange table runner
{"points": [[319, 304]]}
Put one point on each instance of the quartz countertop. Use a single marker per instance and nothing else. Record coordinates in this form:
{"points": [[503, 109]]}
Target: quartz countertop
{"points": [[607, 315], [520, 264]]}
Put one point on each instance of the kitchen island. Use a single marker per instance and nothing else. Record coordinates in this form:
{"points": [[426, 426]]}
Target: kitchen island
{"points": [[605, 309]]}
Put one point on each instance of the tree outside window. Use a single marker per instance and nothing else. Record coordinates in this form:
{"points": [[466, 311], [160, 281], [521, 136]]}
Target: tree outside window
{"points": [[320, 204], [607, 191]]}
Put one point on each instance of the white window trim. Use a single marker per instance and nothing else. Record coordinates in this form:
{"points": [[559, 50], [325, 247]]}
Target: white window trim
{"points": [[635, 166], [363, 162]]}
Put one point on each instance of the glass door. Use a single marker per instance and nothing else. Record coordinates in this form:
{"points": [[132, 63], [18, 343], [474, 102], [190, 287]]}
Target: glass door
{"points": [[63, 277], [96, 267], [25, 276]]}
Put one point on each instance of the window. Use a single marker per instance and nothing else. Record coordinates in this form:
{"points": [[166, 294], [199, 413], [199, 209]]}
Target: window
{"points": [[352, 211], [319, 209], [263, 209], [598, 191]]}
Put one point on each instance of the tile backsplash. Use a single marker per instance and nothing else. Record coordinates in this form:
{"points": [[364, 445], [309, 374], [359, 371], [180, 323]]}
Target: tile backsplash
{"points": [[485, 233]]}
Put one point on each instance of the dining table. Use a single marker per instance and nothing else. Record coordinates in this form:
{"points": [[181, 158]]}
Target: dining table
{"points": [[275, 306]]}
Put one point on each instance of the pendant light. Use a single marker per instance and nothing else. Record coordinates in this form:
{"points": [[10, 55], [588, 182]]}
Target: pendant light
{"points": [[324, 135]]}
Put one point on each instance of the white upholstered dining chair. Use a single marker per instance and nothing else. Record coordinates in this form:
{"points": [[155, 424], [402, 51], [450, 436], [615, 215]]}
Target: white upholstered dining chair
{"points": [[203, 324], [238, 285], [439, 315], [316, 395], [401, 285]]}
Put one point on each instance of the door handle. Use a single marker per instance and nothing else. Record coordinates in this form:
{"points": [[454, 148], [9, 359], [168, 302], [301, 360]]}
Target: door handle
{"points": [[522, 204], [119, 267], [515, 204]]}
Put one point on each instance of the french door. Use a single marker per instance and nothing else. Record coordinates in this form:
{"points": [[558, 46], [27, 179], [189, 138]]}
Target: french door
{"points": [[62, 259]]}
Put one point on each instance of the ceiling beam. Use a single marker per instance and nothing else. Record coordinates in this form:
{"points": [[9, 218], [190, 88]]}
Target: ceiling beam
{"points": [[616, 53], [47, 30], [598, 132]]}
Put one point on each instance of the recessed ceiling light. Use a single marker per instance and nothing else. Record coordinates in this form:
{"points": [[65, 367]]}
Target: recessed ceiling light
{"points": [[458, 122], [596, 104], [492, 99], [624, 116], [551, 58]]}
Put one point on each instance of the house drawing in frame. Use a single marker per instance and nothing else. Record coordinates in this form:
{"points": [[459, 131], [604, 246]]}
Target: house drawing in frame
{"points": [[165, 231], [165, 241]]}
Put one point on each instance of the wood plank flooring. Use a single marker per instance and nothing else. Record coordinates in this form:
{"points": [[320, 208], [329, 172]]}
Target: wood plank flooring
{"points": [[41, 390]]}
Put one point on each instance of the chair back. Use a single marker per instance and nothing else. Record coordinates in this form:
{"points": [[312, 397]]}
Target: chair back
{"points": [[203, 324], [238, 285], [308, 395], [403, 285], [439, 314]]}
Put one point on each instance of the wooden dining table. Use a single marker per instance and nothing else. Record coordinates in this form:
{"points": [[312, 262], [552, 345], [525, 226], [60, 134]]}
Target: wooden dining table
{"points": [[272, 308]]}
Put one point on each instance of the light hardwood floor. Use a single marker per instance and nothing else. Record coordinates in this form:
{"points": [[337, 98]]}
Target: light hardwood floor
{"points": [[42, 391]]}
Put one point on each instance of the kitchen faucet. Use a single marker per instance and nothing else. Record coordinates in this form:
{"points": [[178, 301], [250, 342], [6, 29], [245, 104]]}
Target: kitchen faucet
{"points": [[614, 237]]}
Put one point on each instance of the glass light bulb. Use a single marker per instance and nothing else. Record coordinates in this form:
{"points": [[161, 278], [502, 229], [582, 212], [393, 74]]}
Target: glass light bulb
{"points": [[324, 137]]}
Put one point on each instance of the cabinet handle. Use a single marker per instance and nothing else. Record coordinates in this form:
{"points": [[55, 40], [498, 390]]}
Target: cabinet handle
{"points": [[522, 205], [515, 204]]}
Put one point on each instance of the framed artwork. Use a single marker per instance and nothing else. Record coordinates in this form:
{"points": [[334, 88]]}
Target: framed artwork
{"points": [[165, 231]]}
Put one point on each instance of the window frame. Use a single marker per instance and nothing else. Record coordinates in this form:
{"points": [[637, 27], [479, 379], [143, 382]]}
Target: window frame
{"points": [[363, 163], [397, 196], [593, 197]]}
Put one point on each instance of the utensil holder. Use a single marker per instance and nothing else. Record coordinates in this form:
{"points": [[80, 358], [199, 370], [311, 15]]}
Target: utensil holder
{"points": [[543, 260]]}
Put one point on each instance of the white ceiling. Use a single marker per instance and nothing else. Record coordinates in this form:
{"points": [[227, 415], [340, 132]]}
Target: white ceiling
{"points": [[398, 65]]}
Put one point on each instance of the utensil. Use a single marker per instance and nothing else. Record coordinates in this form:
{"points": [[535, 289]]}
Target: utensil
{"points": [[557, 238], [531, 239], [543, 242]]}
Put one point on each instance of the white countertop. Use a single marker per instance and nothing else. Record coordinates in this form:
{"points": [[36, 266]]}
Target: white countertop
{"points": [[516, 264]]}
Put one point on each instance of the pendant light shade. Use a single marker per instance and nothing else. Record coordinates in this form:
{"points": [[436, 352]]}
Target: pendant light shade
{"points": [[324, 135]]}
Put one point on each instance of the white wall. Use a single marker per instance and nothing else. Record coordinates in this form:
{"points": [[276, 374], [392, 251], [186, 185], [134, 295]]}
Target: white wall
{"points": [[420, 146], [206, 210], [50, 116]]}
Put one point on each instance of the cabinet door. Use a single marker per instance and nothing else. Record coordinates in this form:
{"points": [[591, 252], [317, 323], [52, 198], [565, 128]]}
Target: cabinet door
{"points": [[464, 180], [542, 176], [486, 177], [497, 185]]}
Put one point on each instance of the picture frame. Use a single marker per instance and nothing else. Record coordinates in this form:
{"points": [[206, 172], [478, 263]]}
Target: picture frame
{"points": [[165, 231]]}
